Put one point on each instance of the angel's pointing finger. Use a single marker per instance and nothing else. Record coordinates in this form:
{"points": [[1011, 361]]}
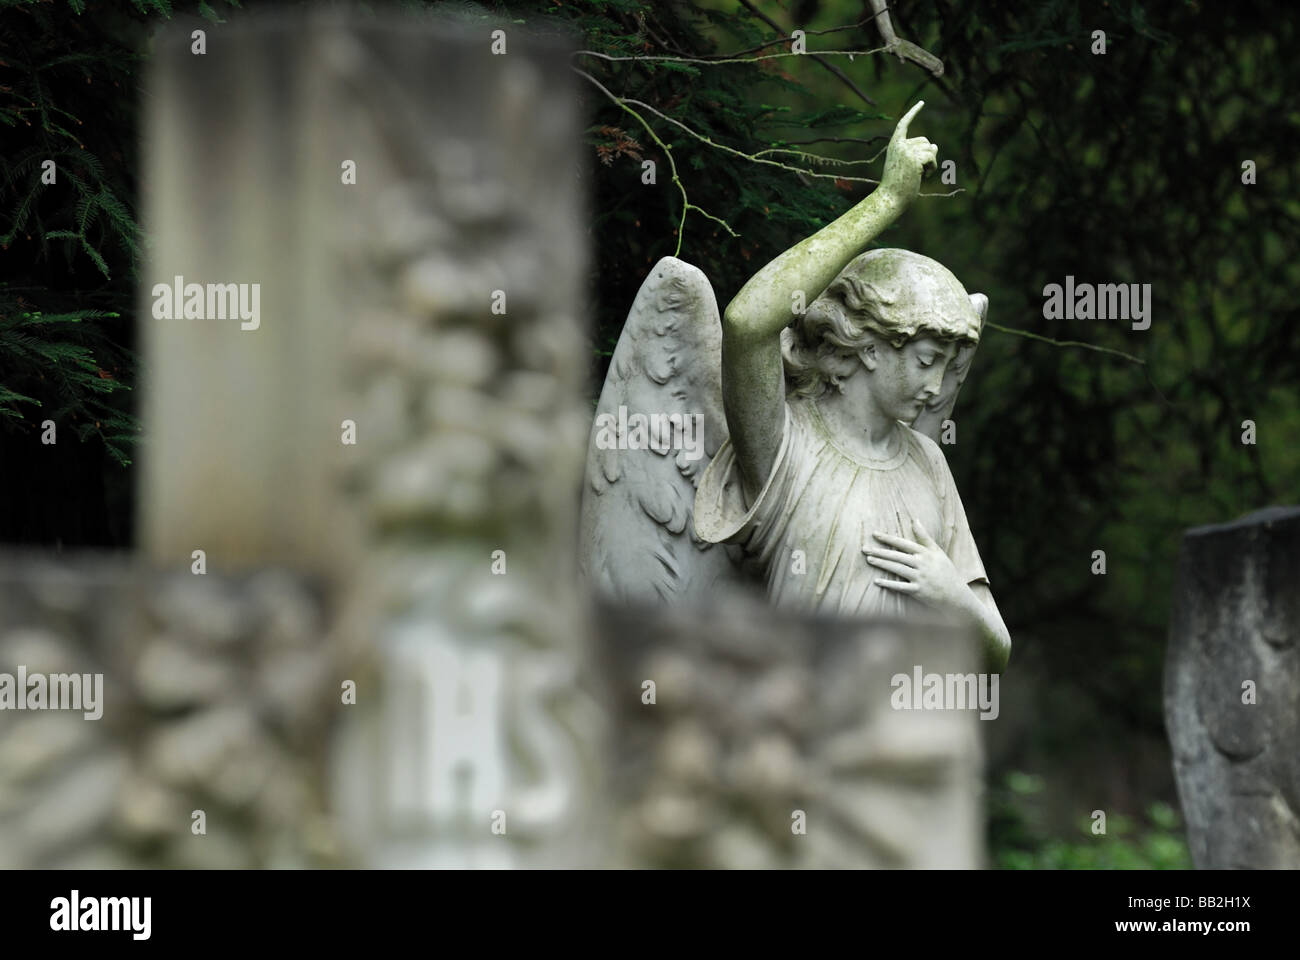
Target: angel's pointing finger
{"points": [[900, 132]]}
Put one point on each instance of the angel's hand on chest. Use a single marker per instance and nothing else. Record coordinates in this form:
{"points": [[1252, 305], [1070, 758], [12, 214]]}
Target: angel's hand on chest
{"points": [[928, 573]]}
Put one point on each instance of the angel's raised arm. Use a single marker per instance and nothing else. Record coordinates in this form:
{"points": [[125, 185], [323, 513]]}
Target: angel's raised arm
{"points": [[753, 383]]}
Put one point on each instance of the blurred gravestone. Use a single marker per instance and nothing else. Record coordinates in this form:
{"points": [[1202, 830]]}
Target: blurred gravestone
{"points": [[1232, 690], [364, 362], [746, 737], [467, 361], [214, 694]]}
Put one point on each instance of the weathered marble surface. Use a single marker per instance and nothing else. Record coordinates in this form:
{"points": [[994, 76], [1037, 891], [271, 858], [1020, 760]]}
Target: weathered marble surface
{"points": [[758, 715], [475, 743], [1236, 620], [219, 695], [817, 398]]}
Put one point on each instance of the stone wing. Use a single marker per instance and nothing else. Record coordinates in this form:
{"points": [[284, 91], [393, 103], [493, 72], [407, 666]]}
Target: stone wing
{"points": [[637, 536]]}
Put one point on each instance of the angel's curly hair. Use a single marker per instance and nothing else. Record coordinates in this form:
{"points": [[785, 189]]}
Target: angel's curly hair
{"points": [[889, 295]]}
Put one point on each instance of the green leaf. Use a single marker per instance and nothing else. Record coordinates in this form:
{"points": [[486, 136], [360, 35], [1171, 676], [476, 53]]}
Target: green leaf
{"points": [[686, 68], [94, 255]]}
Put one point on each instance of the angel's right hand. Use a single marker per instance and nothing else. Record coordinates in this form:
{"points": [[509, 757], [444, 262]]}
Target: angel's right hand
{"points": [[906, 160]]}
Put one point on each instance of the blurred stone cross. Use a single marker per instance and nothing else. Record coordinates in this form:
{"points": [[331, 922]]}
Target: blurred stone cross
{"points": [[352, 633]]}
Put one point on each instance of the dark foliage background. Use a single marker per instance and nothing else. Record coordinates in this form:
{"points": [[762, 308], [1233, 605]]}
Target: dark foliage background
{"points": [[1122, 167]]}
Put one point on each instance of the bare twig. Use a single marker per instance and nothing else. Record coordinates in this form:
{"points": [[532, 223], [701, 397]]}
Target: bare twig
{"points": [[903, 49], [732, 150], [1065, 343], [777, 41], [667, 149], [863, 140], [830, 67], [715, 62]]}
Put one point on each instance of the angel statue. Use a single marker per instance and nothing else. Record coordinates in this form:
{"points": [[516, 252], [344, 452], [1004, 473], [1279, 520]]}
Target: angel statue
{"points": [[796, 445]]}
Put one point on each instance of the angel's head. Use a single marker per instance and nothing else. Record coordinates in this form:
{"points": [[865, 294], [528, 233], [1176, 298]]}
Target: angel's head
{"points": [[898, 317]]}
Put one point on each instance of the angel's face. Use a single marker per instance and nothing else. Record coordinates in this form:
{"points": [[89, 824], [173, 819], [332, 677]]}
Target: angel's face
{"points": [[904, 379]]}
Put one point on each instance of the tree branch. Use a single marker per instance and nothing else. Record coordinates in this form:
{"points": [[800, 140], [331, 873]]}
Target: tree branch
{"points": [[830, 67], [667, 149]]}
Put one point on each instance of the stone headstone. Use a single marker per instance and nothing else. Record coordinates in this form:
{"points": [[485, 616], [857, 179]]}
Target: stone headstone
{"points": [[1232, 690]]}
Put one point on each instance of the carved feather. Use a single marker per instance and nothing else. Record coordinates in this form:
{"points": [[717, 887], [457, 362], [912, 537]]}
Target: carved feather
{"points": [[637, 537]]}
